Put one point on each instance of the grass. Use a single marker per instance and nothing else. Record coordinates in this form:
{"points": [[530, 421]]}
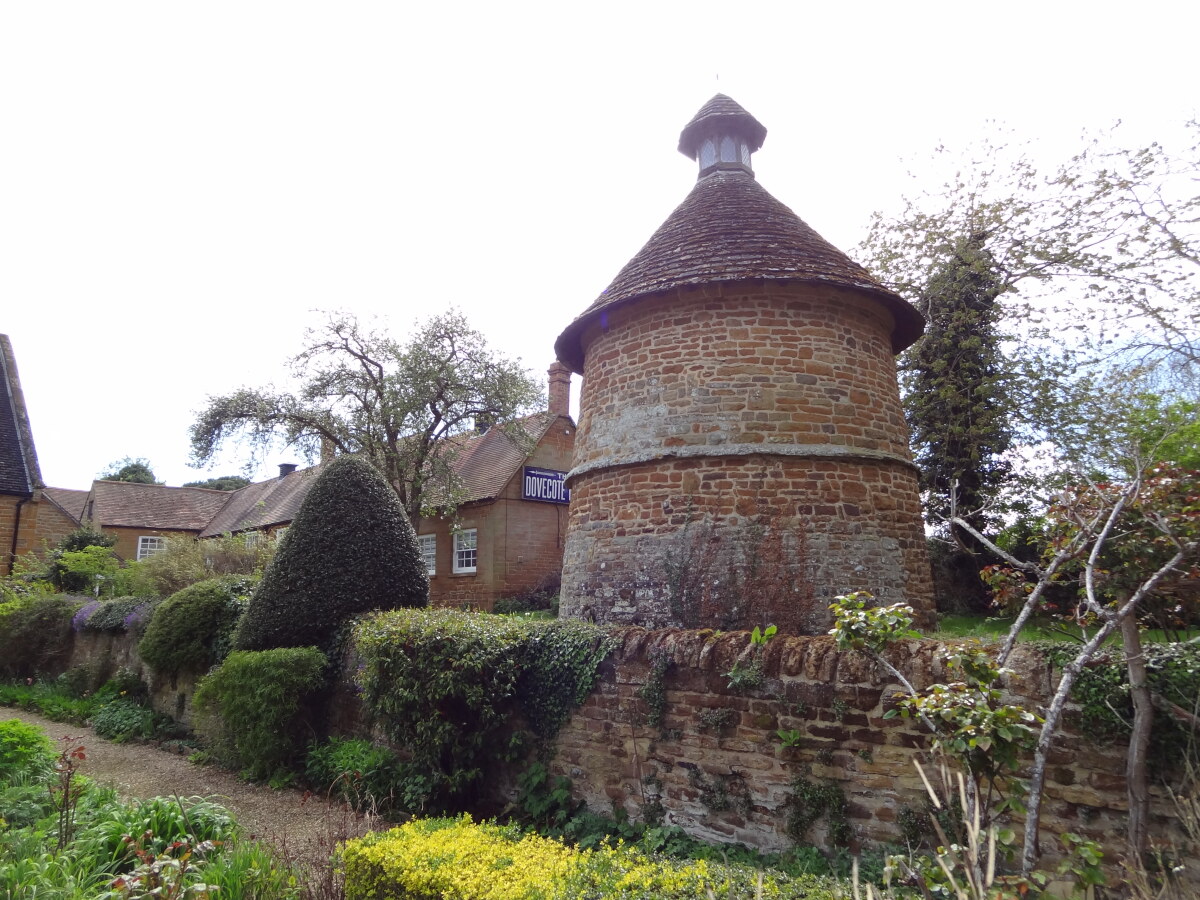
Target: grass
{"points": [[995, 628]]}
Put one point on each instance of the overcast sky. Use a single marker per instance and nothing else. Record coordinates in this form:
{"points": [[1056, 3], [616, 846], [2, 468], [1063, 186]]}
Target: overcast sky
{"points": [[182, 185]]}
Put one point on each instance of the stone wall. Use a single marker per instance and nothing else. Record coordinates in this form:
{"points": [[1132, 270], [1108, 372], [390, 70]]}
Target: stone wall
{"points": [[105, 653], [739, 405], [717, 765], [703, 758]]}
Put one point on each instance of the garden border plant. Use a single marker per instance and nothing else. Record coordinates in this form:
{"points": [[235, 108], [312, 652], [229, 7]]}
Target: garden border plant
{"points": [[443, 684]]}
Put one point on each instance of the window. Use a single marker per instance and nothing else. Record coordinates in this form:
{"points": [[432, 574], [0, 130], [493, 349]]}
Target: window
{"points": [[278, 534], [252, 539], [465, 546], [428, 545], [148, 546]]}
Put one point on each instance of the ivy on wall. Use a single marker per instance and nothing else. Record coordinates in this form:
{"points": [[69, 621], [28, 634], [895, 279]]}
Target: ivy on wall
{"points": [[443, 684], [1102, 692]]}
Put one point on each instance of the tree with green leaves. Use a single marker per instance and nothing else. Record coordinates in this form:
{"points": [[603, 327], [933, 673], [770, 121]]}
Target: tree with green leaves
{"points": [[1087, 276], [956, 397], [137, 471], [396, 404], [222, 483]]}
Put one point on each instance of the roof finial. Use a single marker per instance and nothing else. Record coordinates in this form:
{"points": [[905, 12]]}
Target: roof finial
{"points": [[722, 135]]}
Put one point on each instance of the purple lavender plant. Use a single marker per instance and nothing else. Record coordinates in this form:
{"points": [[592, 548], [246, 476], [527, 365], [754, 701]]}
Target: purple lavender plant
{"points": [[138, 617], [79, 620]]}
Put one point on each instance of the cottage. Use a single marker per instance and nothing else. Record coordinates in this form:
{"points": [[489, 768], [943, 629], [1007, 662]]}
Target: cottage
{"points": [[507, 535], [31, 514]]}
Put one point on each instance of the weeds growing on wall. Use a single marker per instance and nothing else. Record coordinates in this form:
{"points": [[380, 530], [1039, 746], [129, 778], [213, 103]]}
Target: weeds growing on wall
{"points": [[443, 684], [808, 801], [256, 710], [654, 691]]}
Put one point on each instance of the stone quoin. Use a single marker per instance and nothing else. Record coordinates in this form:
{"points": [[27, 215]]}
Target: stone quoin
{"points": [[740, 424]]}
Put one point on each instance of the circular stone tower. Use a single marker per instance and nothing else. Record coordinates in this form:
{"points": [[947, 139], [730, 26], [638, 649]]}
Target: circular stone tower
{"points": [[741, 455]]}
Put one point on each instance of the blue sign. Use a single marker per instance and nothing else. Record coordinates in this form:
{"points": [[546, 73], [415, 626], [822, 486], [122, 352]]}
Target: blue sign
{"points": [[545, 485]]}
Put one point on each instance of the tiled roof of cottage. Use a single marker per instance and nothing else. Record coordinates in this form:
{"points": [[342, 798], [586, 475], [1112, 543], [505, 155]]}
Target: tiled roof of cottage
{"points": [[19, 472], [730, 229], [264, 504], [484, 463], [70, 501], [129, 505]]}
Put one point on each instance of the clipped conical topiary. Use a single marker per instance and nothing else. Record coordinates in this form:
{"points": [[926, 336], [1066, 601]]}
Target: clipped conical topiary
{"points": [[349, 550]]}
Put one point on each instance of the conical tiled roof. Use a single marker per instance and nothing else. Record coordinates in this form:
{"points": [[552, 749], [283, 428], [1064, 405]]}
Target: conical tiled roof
{"points": [[730, 229]]}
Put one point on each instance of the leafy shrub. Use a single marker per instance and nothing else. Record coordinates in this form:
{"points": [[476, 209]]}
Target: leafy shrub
{"points": [[256, 708], [116, 616], [35, 633], [125, 718], [192, 630], [1106, 710], [24, 750], [455, 859], [101, 842], [364, 774], [75, 574], [443, 683], [541, 599], [187, 561], [349, 550], [51, 699], [162, 847]]}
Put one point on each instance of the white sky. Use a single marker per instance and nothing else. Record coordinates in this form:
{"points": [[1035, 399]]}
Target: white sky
{"points": [[181, 185]]}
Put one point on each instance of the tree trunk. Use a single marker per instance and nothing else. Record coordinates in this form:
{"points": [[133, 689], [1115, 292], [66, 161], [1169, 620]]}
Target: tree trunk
{"points": [[1139, 740]]}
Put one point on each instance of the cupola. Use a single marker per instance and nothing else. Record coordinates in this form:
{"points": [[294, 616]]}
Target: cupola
{"points": [[722, 135]]}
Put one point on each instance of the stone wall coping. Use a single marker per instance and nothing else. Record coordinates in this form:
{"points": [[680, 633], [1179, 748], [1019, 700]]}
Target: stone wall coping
{"points": [[1029, 675], [717, 451]]}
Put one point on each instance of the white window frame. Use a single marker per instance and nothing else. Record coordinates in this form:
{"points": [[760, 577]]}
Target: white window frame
{"points": [[466, 550], [252, 539], [150, 544], [428, 545]]}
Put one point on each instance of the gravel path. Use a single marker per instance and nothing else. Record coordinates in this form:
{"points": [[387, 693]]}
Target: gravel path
{"points": [[138, 771]]}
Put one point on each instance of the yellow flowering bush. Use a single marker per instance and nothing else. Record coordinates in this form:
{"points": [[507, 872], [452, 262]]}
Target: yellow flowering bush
{"points": [[456, 859], [453, 859]]}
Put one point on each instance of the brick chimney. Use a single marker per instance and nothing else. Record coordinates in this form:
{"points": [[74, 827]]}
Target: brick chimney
{"points": [[560, 389], [286, 469]]}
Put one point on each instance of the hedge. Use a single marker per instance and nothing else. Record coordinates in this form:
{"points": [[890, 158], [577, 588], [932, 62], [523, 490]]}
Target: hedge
{"points": [[349, 550], [192, 630]]}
